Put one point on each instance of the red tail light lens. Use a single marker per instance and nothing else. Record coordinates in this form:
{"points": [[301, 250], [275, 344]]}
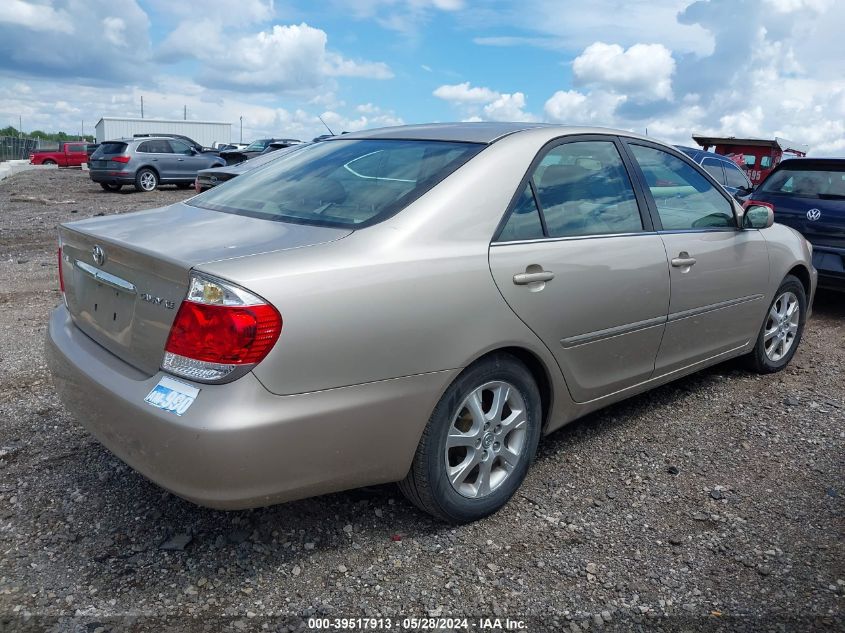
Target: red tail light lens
{"points": [[120, 159], [219, 328], [230, 335]]}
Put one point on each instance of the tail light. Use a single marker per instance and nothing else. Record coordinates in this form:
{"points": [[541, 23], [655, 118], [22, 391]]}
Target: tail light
{"points": [[120, 159], [220, 332]]}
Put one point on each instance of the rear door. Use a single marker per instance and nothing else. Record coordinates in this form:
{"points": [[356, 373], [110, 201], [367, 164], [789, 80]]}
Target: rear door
{"points": [[75, 154], [718, 272], [577, 260], [157, 153]]}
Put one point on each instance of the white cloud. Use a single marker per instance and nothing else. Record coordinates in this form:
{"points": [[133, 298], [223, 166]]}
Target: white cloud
{"points": [[480, 103], [643, 70], [508, 107], [403, 16], [114, 30], [571, 107], [464, 93], [284, 58], [82, 40], [36, 16]]}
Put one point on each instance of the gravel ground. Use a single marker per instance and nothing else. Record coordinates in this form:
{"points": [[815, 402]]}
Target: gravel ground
{"points": [[714, 503]]}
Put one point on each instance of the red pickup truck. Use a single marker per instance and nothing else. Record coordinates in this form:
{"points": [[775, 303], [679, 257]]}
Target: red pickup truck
{"points": [[68, 155]]}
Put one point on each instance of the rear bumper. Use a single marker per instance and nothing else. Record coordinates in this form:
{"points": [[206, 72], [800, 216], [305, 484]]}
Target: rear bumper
{"points": [[108, 176], [238, 445], [830, 262]]}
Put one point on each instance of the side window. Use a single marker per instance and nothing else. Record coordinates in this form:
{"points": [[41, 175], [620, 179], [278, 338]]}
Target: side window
{"points": [[749, 159], [714, 168], [180, 147], [684, 198], [524, 221], [765, 162], [159, 146], [736, 178], [75, 148], [145, 147], [584, 189]]}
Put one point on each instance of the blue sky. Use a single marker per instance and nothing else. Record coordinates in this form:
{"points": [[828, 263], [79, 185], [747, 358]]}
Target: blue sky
{"points": [[738, 67]]}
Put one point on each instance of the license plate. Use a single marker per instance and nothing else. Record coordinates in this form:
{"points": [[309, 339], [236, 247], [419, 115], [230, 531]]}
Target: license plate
{"points": [[172, 395]]}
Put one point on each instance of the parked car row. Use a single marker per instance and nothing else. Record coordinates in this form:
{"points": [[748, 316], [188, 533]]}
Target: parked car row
{"points": [[149, 160]]}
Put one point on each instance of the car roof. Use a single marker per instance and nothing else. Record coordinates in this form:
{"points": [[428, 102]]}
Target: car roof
{"points": [[470, 132], [698, 153]]}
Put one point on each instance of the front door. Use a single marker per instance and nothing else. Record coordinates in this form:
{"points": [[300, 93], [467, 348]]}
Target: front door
{"points": [[579, 263], [718, 271]]}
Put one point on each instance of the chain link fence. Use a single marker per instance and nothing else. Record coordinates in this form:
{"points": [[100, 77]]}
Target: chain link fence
{"points": [[14, 148]]}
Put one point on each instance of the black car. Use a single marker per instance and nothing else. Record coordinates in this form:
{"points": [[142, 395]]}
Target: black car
{"points": [[808, 194], [213, 176], [235, 156]]}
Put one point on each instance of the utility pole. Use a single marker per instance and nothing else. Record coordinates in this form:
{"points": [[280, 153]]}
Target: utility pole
{"points": [[242, 130], [186, 112], [82, 133], [20, 126], [142, 106]]}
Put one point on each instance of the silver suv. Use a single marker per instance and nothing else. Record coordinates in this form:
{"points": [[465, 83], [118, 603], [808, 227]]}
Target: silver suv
{"points": [[148, 162]]}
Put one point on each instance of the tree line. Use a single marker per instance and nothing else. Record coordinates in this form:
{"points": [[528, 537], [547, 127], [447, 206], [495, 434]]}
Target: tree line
{"points": [[47, 136]]}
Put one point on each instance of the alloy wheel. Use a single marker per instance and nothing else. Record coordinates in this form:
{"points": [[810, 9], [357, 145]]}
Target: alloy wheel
{"points": [[148, 181], [781, 326], [486, 439]]}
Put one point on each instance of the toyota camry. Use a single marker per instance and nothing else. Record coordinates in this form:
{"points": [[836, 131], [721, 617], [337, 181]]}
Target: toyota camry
{"points": [[417, 304]]}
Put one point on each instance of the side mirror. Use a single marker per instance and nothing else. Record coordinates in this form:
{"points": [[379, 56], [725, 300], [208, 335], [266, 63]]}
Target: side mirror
{"points": [[757, 215]]}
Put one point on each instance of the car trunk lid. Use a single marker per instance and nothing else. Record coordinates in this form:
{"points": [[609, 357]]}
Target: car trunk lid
{"points": [[820, 219], [125, 276]]}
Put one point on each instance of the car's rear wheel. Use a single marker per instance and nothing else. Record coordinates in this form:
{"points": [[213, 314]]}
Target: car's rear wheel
{"points": [[108, 186], [478, 444], [782, 328], [146, 180]]}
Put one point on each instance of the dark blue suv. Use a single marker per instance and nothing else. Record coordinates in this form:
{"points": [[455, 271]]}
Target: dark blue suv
{"points": [[726, 172], [808, 194]]}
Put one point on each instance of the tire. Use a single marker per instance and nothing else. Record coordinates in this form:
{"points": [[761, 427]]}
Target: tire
{"points": [[110, 186], [477, 449], [781, 331], [146, 180], [49, 162]]}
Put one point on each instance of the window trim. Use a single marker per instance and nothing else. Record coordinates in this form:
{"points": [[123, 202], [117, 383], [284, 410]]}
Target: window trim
{"points": [[138, 149], [719, 163], [732, 165], [652, 206], [528, 179]]}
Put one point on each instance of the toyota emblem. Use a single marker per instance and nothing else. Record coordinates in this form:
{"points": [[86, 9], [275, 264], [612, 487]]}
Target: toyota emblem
{"points": [[98, 254], [813, 215]]}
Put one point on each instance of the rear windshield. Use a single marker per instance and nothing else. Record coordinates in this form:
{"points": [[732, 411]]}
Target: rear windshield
{"points": [[344, 183], [111, 148], [807, 183]]}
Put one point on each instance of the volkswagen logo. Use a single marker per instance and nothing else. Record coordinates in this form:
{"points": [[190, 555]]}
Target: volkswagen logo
{"points": [[813, 215], [98, 254]]}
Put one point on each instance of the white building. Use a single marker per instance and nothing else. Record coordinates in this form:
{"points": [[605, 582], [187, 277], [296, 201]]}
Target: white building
{"points": [[206, 133]]}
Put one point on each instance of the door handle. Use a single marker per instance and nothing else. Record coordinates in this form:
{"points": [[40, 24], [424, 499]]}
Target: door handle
{"points": [[522, 279], [683, 260]]}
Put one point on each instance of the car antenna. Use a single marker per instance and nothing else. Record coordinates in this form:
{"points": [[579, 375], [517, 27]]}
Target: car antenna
{"points": [[326, 124]]}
